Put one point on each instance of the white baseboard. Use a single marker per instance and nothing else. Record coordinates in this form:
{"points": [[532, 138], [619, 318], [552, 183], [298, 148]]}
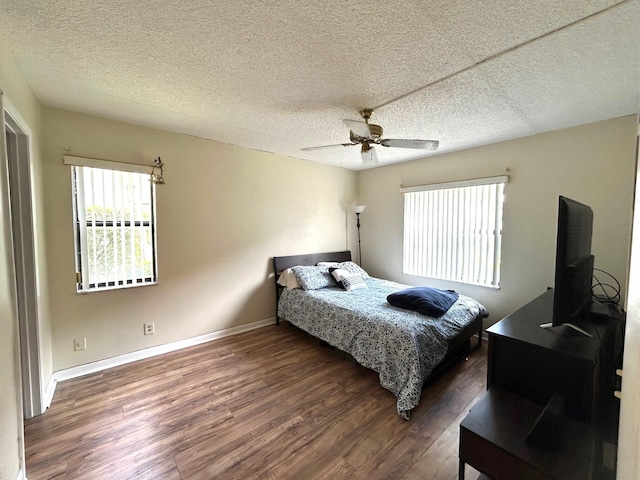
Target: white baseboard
{"points": [[100, 365], [21, 476], [47, 398]]}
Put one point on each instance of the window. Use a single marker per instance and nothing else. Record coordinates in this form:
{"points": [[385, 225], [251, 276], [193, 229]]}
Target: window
{"points": [[453, 231], [115, 231]]}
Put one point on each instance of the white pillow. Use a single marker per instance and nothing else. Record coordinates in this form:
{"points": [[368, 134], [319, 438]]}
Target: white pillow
{"points": [[353, 268], [288, 280], [350, 281]]}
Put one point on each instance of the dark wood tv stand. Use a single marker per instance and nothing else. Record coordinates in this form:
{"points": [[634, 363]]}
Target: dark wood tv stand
{"points": [[532, 363], [535, 362], [493, 440]]}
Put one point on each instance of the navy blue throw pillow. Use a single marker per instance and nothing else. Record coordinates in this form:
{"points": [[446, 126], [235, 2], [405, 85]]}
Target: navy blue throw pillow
{"points": [[425, 300]]}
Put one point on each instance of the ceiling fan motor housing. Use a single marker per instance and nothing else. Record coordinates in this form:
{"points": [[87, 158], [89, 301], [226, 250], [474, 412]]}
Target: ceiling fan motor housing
{"points": [[376, 130]]}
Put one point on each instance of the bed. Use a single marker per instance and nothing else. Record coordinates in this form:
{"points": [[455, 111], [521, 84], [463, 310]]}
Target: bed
{"points": [[407, 349]]}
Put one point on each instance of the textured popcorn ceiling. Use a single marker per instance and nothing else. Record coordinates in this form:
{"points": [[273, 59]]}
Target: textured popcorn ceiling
{"points": [[281, 75]]}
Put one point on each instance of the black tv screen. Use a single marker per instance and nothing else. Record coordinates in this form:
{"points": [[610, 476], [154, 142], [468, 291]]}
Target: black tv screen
{"points": [[574, 261]]}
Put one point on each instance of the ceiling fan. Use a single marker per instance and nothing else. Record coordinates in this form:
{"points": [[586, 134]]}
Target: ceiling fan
{"points": [[369, 135]]}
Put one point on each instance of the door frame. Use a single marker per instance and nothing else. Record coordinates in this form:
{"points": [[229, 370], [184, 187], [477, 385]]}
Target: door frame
{"points": [[18, 138]]}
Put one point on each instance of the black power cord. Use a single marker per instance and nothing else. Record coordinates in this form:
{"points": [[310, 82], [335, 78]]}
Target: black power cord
{"points": [[609, 294]]}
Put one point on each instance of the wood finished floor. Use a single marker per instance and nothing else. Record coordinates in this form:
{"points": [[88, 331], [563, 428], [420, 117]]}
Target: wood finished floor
{"points": [[267, 404]]}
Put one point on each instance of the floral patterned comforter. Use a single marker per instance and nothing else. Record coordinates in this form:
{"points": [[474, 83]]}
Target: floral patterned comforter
{"points": [[401, 345]]}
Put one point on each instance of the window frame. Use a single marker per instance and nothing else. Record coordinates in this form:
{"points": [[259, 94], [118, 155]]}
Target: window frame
{"points": [[82, 225], [420, 238]]}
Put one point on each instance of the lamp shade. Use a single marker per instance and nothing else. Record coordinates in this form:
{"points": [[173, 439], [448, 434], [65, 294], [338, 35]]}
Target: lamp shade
{"points": [[359, 208]]}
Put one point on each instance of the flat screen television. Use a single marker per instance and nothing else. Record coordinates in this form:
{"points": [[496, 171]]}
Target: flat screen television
{"points": [[574, 262]]}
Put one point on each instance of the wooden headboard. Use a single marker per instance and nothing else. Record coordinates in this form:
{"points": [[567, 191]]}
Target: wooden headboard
{"points": [[282, 263]]}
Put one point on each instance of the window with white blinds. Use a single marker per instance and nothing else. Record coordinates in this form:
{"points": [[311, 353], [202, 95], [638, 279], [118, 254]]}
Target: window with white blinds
{"points": [[453, 231], [115, 231]]}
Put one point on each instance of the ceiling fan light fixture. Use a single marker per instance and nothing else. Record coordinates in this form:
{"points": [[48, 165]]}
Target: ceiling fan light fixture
{"points": [[368, 153]]}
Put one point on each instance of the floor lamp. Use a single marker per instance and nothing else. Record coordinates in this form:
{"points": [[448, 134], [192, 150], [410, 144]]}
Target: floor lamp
{"points": [[358, 209]]}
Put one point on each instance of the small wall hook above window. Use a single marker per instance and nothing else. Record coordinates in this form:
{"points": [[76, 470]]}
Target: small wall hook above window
{"points": [[157, 178]]}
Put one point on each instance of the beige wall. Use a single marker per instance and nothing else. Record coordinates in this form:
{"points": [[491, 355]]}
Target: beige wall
{"points": [[223, 213], [19, 95], [594, 164]]}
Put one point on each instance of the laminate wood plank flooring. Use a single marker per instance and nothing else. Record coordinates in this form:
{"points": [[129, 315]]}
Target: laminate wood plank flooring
{"points": [[272, 403]]}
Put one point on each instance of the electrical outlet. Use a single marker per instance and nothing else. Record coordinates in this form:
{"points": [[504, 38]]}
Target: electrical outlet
{"points": [[80, 343], [149, 328]]}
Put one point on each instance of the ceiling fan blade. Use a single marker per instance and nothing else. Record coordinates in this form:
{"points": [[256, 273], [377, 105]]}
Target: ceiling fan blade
{"points": [[308, 149], [368, 154], [361, 129], [404, 143]]}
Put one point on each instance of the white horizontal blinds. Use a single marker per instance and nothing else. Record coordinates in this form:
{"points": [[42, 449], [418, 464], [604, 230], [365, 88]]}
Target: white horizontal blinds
{"points": [[117, 228], [454, 233]]}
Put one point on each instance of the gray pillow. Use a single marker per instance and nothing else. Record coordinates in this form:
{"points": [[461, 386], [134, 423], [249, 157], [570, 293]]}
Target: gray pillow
{"points": [[314, 278]]}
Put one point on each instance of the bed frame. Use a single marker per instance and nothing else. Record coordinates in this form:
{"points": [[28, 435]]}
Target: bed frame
{"points": [[459, 347]]}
